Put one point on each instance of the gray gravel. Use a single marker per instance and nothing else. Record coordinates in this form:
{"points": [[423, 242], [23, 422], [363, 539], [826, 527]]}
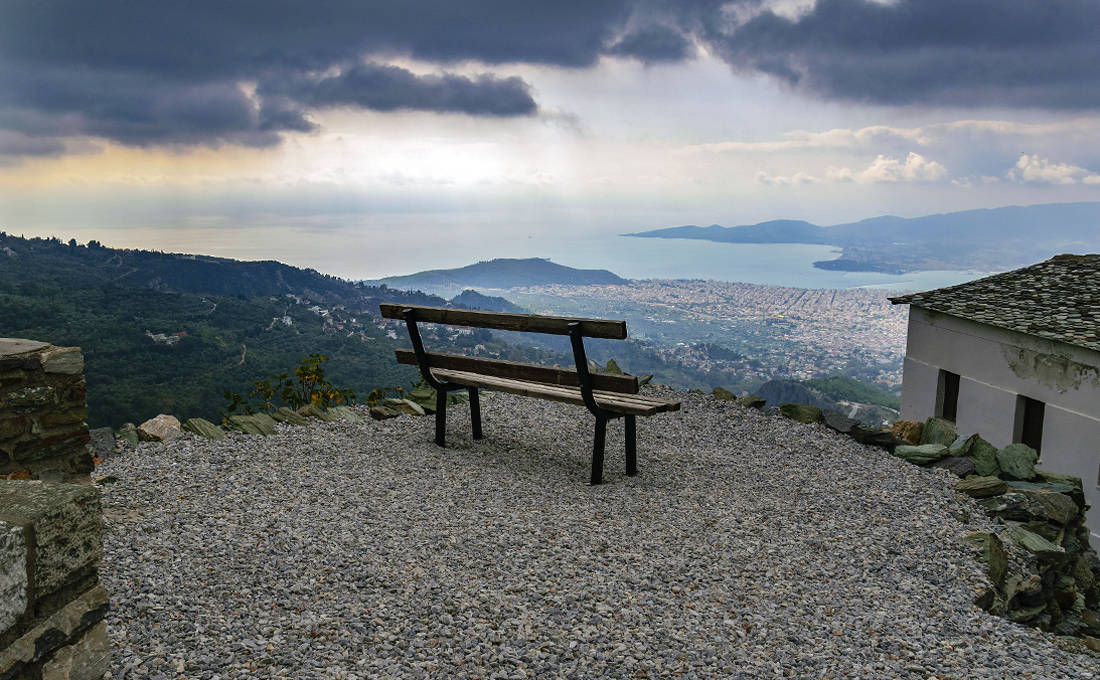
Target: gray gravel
{"points": [[747, 547]]}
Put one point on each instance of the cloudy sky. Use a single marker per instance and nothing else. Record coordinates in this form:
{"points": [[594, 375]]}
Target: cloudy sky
{"points": [[278, 128]]}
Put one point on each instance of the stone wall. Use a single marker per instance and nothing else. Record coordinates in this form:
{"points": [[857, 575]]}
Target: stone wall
{"points": [[42, 412], [52, 606]]}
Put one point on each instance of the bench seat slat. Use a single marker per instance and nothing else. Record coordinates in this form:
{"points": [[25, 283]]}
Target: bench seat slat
{"points": [[530, 323], [626, 384], [629, 404]]}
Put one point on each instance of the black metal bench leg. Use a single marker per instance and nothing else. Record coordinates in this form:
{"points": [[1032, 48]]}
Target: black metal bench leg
{"points": [[475, 411], [631, 445], [597, 450], [441, 417]]}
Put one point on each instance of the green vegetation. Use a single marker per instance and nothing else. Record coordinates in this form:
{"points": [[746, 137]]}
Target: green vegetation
{"points": [[308, 386], [150, 350], [844, 388]]}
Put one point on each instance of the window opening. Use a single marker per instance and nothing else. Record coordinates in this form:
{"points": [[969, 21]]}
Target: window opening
{"points": [[949, 395], [1031, 422]]}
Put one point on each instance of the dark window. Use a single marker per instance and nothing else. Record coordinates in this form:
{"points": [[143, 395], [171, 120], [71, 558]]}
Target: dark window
{"points": [[949, 395], [1030, 424]]}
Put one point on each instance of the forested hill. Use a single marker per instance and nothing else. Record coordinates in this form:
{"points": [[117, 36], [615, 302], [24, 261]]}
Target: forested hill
{"points": [[502, 273], [93, 264], [171, 333]]}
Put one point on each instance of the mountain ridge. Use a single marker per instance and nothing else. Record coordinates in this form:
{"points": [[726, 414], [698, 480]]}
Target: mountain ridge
{"points": [[991, 238]]}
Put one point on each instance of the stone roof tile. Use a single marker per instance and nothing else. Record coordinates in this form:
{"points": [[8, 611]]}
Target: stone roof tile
{"points": [[1058, 299]]}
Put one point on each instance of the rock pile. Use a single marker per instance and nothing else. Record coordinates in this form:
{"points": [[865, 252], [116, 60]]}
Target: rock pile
{"points": [[165, 428], [1041, 569]]}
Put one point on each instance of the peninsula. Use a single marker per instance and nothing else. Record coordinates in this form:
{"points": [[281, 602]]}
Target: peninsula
{"points": [[989, 239]]}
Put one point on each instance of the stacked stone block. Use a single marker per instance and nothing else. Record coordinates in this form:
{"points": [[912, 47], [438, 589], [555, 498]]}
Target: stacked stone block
{"points": [[52, 606], [43, 408]]}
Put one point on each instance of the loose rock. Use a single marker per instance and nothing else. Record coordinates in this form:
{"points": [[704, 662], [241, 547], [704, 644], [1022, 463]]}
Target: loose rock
{"points": [[203, 428], [801, 413], [909, 430], [938, 431], [925, 454], [163, 428], [981, 487], [1018, 461]]}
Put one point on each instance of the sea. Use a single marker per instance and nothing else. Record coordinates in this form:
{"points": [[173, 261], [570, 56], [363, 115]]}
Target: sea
{"points": [[773, 264], [360, 254]]}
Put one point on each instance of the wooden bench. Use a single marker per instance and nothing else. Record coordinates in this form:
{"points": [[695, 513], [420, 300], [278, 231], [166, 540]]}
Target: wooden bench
{"points": [[607, 396]]}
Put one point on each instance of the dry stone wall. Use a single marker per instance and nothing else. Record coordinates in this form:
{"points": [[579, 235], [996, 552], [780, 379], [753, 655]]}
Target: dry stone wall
{"points": [[52, 606], [43, 433]]}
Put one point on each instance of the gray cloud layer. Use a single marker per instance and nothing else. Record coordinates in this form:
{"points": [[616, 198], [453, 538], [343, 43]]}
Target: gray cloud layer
{"points": [[164, 73], [1009, 53]]}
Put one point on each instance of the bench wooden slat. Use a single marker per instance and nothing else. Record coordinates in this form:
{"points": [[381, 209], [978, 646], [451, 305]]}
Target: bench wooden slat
{"points": [[626, 384], [530, 323], [630, 404]]}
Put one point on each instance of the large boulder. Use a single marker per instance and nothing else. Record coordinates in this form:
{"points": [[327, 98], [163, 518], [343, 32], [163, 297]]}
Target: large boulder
{"points": [[963, 445], [311, 411], [985, 457], [835, 420], [802, 413], [938, 431], [1053, 481], [880, 438], [1051, 506], [722, 394], [752, 401], [1036, 544], [981, 487], [424, 397], [958, 465], [257, 423], [909, 430], [163, 428], [128, 434], [925, 454], [405, 406], [346, 414], [203, 428], [289, 416], [381, 412], [1018, 461]]}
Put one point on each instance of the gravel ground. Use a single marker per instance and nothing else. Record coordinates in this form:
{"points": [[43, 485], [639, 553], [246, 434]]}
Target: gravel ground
{"points": [[748, 546]]}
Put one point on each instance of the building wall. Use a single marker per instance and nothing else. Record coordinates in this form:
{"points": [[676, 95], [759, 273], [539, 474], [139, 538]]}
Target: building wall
{"points": [[996, 366]]}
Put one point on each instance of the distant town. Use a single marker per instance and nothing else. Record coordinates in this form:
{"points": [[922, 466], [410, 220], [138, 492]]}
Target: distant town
{"points": [[752, 331]]}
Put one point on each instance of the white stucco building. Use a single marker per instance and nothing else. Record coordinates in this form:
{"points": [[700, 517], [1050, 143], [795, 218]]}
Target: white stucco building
{"points": [[1015, 357]]}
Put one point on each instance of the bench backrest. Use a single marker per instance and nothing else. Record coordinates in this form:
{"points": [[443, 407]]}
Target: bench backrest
{"points": [[528, 323], [625, 384]]}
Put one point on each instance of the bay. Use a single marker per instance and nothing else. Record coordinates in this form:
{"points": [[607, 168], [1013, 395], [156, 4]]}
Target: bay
{"points": [[773, 264]]}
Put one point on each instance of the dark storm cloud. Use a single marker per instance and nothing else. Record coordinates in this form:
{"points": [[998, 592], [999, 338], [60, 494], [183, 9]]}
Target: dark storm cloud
{"points": [[653, 44], [153, 73], [1032, 53], [243, 72], [389, 88]]}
